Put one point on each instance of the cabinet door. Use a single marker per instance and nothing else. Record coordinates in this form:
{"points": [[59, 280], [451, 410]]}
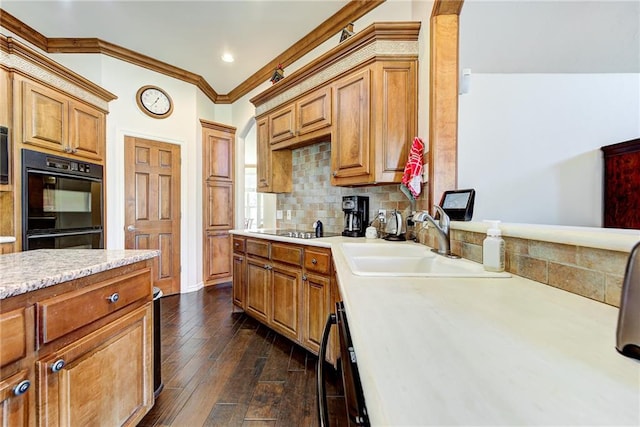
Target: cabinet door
{"points": [[217, 257], [395, 112], [45, 116], [282, 124], [315, 309], [218, 208], [263, 167], [217, 147], [314, 111], [86, 131], [239, 285], [257, 296], [350, 142], [16, 400], [106, 378], [285, 286]]}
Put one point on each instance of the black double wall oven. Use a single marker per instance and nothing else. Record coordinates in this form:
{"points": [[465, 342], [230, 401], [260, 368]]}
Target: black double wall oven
{"points": [[62, 203]]}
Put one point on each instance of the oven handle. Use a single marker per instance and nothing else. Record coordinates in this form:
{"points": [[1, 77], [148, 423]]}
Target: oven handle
{"points": [[322, 393], [70, 233]]}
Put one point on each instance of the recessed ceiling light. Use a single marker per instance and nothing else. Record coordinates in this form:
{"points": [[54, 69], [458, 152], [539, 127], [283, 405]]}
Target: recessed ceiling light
{"points": [[227, 57]]}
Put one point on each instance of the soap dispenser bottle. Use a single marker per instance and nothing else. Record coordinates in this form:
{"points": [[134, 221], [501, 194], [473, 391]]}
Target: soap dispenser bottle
{"points": [[493, 248]]}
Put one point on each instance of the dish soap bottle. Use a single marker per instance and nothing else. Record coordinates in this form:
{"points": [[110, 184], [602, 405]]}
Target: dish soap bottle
{"points": [[493, 248]]}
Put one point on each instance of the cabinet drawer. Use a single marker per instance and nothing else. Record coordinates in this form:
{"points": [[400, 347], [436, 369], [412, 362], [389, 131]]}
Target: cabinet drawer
{"points": [[317, 260], [258, 248], [238, 244], [286, 253], [64, 313], [13, 336]]}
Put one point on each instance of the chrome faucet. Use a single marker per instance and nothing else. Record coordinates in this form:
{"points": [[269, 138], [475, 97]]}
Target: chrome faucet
{"points": [[442, 230]]}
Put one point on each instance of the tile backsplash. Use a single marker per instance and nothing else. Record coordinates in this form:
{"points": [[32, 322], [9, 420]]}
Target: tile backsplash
{"points": [[313, 197]]}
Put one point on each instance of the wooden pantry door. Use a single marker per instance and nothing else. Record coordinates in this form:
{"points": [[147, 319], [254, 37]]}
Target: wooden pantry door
{"points": [[152, 205]]}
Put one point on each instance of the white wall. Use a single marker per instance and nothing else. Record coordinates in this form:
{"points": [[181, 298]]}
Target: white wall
{"points": [[530, 143]]}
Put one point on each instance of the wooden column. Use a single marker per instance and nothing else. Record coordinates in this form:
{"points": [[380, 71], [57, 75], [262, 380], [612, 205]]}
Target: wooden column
{"points": [[443, 102]]}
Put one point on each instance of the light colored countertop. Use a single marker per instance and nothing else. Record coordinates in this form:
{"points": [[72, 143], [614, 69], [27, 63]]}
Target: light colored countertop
{"points": [[23, 272], [7, 239], [506, 351]]}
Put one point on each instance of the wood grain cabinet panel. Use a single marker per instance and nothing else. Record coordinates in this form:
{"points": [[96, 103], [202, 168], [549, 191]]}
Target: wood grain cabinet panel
{"points": [[54, 121], [65, 313], [16, 407], [13, 336], [315, 308], [105, 378], [218, 145], [239, 281], [285, 299], [350, 143], [282, 124], [314, 112], [258, 281], [86, 131]]}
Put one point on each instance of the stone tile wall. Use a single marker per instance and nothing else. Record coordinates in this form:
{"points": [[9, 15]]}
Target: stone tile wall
{"points": [[314, 198], [590, 272]]}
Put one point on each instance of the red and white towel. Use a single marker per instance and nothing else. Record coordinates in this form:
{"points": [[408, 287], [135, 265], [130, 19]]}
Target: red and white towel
{"points": [[412, 177]]}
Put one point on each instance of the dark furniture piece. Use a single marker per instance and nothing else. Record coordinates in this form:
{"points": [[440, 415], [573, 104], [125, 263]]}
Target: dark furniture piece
{"points": [[622, 185]]}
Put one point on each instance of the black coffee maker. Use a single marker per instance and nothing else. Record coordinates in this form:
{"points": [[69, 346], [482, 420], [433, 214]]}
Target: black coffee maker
{"points": [[356, 215]]}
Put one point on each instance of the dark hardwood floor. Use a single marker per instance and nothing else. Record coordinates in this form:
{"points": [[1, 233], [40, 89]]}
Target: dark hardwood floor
{"points": [[221, 368]]}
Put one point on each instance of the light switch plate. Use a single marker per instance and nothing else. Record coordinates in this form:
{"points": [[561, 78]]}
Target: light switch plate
{"points": [[288, 214], [278, 214]]}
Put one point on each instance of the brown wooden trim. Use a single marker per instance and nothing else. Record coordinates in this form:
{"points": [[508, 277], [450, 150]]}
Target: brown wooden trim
{"points": [[217, 126], [447, 7], [21, 29], [14, 47], [374, 32], [443, 106], [352, 11]]}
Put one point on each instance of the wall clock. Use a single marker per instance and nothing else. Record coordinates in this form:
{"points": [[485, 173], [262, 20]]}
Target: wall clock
{"points": [[154, 102]]}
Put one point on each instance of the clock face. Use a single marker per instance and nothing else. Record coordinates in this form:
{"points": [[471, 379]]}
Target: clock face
{"points": [[154, 102]]}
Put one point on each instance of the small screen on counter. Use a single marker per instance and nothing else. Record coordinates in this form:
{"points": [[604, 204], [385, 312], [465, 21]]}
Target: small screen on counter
{"points": [[456, 201], [458, 204]]}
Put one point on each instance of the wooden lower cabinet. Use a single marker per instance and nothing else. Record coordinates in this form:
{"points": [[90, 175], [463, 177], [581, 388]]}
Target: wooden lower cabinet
{"points": [[239, 280], [16, 406], [105, 378], [258, 289], [316, 308], [287, 287], [285, 291], [217, 257]]}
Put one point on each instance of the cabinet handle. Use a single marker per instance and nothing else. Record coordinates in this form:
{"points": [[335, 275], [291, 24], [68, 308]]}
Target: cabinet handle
{"points": [[114, 297], [266, 267], [335, 173], [21, 388], [304, 277], [314, 261], [57, 366]]}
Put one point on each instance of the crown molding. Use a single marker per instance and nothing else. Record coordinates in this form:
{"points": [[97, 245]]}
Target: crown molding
{"points": [[352, 11], [16, 56]]}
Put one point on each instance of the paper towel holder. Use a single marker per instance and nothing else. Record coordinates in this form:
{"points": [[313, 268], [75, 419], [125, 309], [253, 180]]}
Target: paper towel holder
{"points": [[628, 331]]}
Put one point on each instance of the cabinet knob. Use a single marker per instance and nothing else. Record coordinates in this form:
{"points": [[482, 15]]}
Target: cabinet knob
{"points": [[314, 261], [114, 297], [335, 173], [21, 388], [57, 366], [304, 277]]}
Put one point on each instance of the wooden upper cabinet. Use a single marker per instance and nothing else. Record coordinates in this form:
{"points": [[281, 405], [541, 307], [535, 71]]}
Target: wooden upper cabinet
{"points": [[274, 166], [86, 131], [57, 122], [375, 121], [304, 119], [350, 141], [44, 116], [282, 124], [218, 146], [314, 111]]}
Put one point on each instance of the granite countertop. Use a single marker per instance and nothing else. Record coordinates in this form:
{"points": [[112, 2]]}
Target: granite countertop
{"points": [[464, 351], [23, 272]]}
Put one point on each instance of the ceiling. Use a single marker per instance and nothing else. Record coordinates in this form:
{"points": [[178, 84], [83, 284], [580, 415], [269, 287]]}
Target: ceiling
{"points": [[190, 35]]}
